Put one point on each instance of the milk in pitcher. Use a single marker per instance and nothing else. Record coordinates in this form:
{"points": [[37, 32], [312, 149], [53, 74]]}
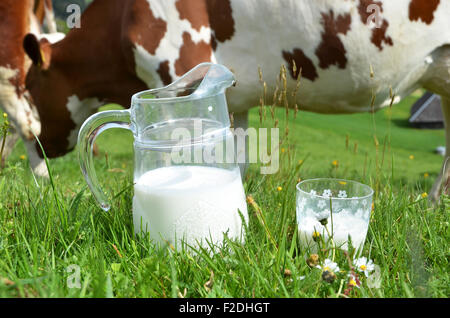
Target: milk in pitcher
{"points": [[189, 203]]}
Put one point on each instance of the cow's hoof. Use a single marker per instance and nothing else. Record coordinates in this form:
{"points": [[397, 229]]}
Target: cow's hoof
{"points": [[40, 170], [434, 198]]}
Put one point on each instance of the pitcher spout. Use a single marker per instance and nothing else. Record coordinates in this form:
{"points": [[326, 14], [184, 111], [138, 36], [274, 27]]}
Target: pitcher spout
{"points": [[206, 79], [216, 80], [200, 93]]}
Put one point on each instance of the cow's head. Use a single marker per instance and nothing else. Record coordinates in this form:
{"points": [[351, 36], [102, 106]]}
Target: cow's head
{"points": [[49, 90]]}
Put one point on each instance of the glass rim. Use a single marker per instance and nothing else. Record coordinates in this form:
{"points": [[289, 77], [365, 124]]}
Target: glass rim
{"points": [[136, 98], [371, 191]]}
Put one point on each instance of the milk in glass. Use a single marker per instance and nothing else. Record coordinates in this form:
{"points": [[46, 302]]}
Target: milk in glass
{"points": [[345, 224], [333, 208]]}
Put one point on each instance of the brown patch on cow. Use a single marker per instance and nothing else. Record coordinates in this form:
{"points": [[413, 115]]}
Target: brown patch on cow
{"points": [[144, 29], [308, 70], [163, 71], [331, 50], [193, 11], [378, 34], [220, 20], [192, 54], [423, 10], [362, 9], [14, 17]]}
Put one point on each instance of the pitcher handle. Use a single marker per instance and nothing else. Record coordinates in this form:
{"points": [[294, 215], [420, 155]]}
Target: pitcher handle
{"points": [[92, 127]]}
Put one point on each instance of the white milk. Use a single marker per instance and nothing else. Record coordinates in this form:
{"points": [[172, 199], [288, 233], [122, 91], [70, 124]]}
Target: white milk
{"points": [[344, 224], [192, 203]]}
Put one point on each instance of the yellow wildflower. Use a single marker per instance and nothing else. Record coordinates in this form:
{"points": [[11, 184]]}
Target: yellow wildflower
{"points": [[316, 236], [352, 282]]}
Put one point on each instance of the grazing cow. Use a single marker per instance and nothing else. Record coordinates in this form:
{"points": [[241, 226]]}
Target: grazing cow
{"points": [[124, 46], [17, 18]]}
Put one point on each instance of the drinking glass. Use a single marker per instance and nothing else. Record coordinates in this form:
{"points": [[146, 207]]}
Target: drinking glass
{"points": [[333, 208]]}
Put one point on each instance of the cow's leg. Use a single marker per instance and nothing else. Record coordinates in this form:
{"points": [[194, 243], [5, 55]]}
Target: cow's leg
{"points": [[37, 163], [49, 19], [443, 179], [437, 80], [10, 142], [241, 121]]}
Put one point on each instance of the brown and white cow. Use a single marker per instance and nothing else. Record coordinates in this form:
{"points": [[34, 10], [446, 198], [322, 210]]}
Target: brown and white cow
{"points": [[125, 46], [17, 18]]}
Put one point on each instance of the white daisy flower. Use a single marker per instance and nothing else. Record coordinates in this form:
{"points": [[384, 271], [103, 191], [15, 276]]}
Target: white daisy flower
{"points": [[313, 192], [329, 266], [327, 193], [321, 204], [363, 265], [342, 194]]}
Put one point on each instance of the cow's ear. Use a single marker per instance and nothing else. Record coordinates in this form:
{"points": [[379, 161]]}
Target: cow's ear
{"points": [[38, 51]]}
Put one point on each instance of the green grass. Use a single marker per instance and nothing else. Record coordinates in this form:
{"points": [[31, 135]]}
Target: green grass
{"points": [[47, 228]]}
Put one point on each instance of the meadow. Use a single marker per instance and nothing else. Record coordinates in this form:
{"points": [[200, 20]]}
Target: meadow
{"points": [[51, 231]]}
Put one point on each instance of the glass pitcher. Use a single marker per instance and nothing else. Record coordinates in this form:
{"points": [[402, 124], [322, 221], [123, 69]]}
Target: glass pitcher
{"points": [[187, 185]]}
